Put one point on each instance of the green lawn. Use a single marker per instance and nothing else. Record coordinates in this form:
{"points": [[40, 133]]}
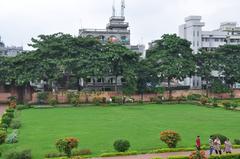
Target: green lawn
{"points": [[97, 127]]}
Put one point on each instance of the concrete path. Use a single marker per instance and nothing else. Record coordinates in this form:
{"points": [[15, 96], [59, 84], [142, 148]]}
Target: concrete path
{"points": [[2, 109], [161, 155]]}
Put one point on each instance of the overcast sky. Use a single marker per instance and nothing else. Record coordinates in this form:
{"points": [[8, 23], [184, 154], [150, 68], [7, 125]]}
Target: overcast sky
{"points": [[20, 20]]}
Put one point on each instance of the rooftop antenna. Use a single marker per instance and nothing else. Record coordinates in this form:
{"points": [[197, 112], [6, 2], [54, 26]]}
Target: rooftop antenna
{"points": [[113, 9], [122, 7]]}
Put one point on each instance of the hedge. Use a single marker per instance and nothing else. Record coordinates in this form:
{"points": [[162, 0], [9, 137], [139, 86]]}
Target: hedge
{"points": [[119, 154], [229, 156], [178, 157]]}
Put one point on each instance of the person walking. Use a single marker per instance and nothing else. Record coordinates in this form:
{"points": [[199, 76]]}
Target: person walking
{"points": [[211, 148], [217, 146], [227, 146], [198, 143]]}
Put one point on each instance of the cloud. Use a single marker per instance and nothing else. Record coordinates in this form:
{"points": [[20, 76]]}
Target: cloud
{"points": [[149, 19]]}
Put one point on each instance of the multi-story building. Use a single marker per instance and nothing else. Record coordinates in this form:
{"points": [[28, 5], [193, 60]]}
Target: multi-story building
{"points": [[192, 30], [9, 50], [117, 31]]}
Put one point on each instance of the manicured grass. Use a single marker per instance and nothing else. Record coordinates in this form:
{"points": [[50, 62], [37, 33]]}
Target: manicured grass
{"points": [[98, 127]]}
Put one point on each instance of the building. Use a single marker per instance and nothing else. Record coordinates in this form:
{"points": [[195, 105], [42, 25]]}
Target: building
{"points": [[117, 31], [192, 30], [9, 50]]}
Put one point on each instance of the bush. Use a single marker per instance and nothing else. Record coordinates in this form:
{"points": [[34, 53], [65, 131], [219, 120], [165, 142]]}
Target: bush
{"points": [[157, 100], [15, 124], [170, 137], [194, 97], [22, 107], [53, 155], [234, 105], [121, 145], [237, 141], [42, 97], [10, 114], [178, 157], [6, 119], [52, 101], [203, 100], [10, 110], [3, 136], [119, 154], [97, 100], [221, 137], [66, 145], [229, 156], [4, 126], [227, 105], [117, 99], [82, 152], [25, 154], [12, 138], [198, 155], [180, 98]]}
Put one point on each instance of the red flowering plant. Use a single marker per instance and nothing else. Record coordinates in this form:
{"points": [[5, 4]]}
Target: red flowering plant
{"points": [[66, 145], [198, 155], [170, 137]]}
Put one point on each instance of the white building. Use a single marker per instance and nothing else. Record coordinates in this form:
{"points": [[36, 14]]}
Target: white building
{"points": [[9, 50], [192, 30]]}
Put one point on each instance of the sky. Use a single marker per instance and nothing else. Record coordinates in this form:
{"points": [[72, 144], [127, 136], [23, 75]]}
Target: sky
{"points": [[20, 20]]}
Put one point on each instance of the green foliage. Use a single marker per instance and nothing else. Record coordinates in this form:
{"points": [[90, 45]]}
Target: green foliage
{"points": [[119, 154], [121, 145], [15, 124], [12, 138], [194, 97], [228, 156], [237, 141], [52, 101], [73, 98], [170, 137], [42, 97], [3, 136], [6, 119], [117, 99], [203, 100], [220, 136], [162, 150], [218, 87], [178, 157], [22, 107], [25, 154], [66, 145], [157, 100]]}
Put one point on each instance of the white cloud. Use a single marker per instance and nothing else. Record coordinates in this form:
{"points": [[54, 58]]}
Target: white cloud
{"points": [[20, 20]]}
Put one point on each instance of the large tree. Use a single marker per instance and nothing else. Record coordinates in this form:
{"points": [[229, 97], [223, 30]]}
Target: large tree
{"points": [[229, 63], [173, 58], [206, 61]]}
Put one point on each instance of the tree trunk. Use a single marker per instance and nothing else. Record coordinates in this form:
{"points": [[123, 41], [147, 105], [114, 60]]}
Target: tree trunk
{"points": [[169, 89], [116, 89]]}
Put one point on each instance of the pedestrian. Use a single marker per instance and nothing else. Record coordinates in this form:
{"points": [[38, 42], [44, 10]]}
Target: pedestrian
{"points": [[198, 143], [217, 146], [228, 146], [211, 148]]}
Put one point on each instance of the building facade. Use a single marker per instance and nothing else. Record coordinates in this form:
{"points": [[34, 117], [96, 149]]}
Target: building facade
{"points": [[117, 31], [9, 50], [192, 30]]}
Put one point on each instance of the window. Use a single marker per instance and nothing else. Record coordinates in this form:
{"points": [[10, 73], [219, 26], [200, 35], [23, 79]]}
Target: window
{"points": [[193, 33], [216, 40], [197, 33], [197, 43], [193, 43]]}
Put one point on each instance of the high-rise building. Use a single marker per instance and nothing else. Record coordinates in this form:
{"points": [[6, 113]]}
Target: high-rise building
{"points": [[9, 50], [192, 30]]}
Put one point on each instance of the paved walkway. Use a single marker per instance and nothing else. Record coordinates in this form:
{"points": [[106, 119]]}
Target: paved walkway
{"points": [[161, 155], [2, 109]]}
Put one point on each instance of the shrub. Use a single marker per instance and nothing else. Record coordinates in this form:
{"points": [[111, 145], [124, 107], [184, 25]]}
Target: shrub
{"points": [[66, 145], [52, 101], [10, 110], [119, 154], [180, 98], [12, 102], [229, 156], [4, 126], [203, 100], [198, 155], [97, 100], [237, 141], [82, 152], [21, 107], [157, 99], [42, 97], [25, 154], [194, 97], [178, 157], [234, 105], [170, 137], [221, 137], [3, 136], [10, 114], [53, 155], [6, 120], [121, 145], [15, 124], [117, 99], [227, 104], [73, 98], [12, 138]]}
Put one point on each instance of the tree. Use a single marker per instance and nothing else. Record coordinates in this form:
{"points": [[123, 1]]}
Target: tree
{"points": [[121, 61], [173, 58], [229, 63], [206, 62]]}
